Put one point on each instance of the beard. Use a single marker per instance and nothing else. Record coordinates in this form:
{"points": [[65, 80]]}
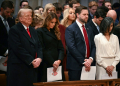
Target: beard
{"points": [[4, 15], [83, 20]]}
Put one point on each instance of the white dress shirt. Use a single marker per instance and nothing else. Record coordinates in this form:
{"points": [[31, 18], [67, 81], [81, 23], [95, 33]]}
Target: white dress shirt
{"points": [[81, 29], [25, 27]]}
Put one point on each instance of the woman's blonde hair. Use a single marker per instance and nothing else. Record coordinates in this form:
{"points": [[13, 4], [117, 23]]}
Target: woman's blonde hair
{"points": [[37, 19], [48, 19], [47, 7], [65, 17]]}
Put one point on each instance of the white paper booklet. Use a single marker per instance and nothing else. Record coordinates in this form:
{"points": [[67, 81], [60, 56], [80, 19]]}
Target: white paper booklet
{"points": [[114, 76], [53, 77], [88, 75], [2, 67]]}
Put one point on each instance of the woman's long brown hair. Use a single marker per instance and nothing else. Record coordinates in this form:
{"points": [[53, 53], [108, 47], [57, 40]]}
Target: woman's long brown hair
{"points": [[47, 20]]}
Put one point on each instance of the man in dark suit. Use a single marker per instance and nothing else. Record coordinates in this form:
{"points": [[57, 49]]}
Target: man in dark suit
{"points": [[25, 52], [95, 22], [116, 31], [92, 9], [22, 4], [6, 9], [80, 44]]}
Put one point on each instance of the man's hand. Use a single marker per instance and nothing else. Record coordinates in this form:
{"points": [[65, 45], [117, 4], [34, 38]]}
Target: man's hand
{"points": [[88, 62], [36, 62], [87, 69]]}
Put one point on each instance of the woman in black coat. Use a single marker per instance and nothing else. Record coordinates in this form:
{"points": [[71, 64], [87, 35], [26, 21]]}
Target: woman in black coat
{"points": [[53, 51]]}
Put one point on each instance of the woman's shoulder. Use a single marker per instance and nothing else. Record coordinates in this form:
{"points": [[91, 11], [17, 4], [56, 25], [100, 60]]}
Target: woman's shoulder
{"points": [[98, 35], [40, 29], [114, 36]]}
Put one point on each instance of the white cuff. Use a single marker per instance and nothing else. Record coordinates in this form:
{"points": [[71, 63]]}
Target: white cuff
{"points": [[91, 58], [6, 53]]}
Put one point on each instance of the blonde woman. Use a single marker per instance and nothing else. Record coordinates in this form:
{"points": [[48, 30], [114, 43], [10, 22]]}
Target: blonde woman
{"points": [[68, 17], [37, 21], [48, 8]]}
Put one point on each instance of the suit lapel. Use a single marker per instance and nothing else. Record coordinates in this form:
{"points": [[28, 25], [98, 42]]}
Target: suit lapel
{"points": [[32, 34], [3, 26], [94, 27], [79, 31], [49, 33], [24, 32]]}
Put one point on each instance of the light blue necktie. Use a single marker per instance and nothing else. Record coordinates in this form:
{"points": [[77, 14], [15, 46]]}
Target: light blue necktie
{"points": [[98, 28]]}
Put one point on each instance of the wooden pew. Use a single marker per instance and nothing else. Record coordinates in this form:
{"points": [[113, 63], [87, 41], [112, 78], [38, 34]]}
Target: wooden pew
{"points": [[3, 80], [75, 83], [115, 82], [66, 75]]}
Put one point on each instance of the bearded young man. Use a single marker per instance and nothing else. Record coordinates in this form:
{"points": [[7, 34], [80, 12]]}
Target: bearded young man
{"points": [[5, 12], [80, 44]]}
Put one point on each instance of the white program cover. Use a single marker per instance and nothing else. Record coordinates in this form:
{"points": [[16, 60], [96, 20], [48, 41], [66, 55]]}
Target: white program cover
{"points": [[2, 67], [51, 77], [88, 75], [114, 76]]}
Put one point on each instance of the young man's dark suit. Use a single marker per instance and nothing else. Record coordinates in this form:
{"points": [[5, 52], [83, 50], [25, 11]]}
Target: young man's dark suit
{"points": [[77, 49], [95, 31], [89, 17], [22, 51], [116, 31], [4, 36], [93, 27]]}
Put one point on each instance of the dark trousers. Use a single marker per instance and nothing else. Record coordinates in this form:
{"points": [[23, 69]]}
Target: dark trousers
{"points": [[118, 69], [2, 72], [74, 75]]}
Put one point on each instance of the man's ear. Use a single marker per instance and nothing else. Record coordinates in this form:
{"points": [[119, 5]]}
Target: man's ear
{"points": [[1, 9], [89, 8], [94, 16], [77, 15], [20, 19]]}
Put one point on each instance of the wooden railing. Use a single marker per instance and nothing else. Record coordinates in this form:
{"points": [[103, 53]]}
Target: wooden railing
{"points": [[3, 79], [110, 82]]}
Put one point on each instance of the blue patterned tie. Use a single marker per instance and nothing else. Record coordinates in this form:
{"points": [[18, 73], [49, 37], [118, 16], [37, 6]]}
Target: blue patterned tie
{"points": [[6, 25], [98, 28]]}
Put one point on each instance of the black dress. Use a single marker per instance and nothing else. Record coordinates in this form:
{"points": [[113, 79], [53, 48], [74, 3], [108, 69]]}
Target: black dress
{"points": [[52, 50]]}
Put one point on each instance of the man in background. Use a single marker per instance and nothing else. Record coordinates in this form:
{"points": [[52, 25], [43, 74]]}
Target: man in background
{"points": [[108, 5], [100, 2], [22, 4], [95, 22], [74, 4], [5, 25], [92, 9]]}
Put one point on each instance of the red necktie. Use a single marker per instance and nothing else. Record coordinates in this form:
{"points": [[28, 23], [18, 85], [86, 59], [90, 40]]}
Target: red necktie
{"points": [[86, 41], [28, 32]]}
